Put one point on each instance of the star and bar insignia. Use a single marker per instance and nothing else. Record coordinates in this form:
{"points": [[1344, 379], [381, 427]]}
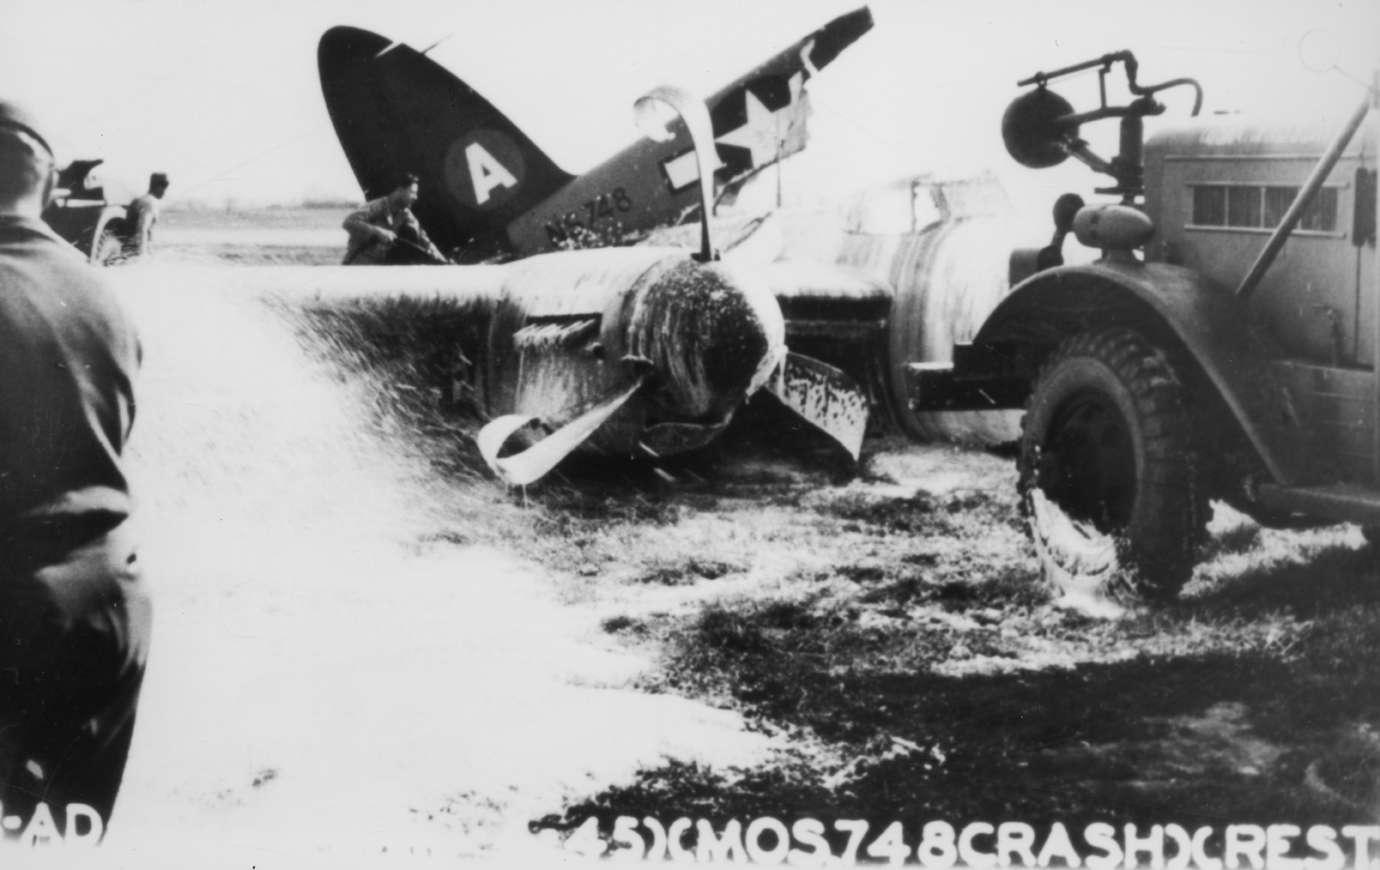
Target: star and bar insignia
{"points": [[761, 123]]}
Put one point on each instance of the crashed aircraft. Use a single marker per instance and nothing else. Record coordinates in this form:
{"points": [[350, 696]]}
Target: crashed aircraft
{"points": [[640, 351], [644, 352], [493, 194]]}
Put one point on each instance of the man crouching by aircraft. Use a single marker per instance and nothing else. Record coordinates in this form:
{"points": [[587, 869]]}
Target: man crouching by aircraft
{"points": [[386, 232], [74, 618]]}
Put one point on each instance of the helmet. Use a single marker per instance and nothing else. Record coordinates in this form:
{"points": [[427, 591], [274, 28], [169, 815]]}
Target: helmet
{"points": [[15, 117]]}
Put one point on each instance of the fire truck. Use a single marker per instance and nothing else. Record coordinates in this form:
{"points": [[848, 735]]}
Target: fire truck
{"points": [[1223, 347], [81, 214]]}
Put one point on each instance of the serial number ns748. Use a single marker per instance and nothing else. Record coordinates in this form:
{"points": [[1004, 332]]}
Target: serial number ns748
{"points": [[604, 207]]}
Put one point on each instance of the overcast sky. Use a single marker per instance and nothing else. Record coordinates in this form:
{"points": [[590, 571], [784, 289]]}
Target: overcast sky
{"points": [[224, 97]]}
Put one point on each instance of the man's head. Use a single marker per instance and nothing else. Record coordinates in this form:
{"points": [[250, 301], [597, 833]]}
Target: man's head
{"points": [[27, 170], [405, 192], [158, 184]]}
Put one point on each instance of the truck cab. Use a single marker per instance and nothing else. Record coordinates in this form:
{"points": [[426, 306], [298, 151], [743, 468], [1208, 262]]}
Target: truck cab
{"points": [[1216, 191], [1224, 346]]}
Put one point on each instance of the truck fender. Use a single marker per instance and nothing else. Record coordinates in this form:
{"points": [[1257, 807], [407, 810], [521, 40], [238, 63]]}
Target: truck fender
{"points": [[112, 218], [1165, 303]]}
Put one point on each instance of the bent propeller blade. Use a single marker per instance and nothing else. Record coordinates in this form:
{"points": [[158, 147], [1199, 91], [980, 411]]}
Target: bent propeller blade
{"points": [[824, 397], [533, 463]]}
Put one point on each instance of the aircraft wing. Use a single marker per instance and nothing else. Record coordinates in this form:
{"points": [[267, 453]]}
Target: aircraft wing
{"points": [[816, 298], [358, 316], [472, 286], [564, 343], [575, 283], [835, 315], [813, 296]]}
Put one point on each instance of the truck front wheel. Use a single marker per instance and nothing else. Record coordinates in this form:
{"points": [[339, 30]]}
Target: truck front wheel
{"points": [[107, 245], [1109, 477]]}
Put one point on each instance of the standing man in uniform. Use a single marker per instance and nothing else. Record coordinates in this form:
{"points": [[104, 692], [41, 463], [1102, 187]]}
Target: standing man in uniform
{"points": [[386, 231], [74, 618], [142, 214]]}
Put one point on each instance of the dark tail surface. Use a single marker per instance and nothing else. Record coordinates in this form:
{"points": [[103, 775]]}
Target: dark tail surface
{"points": [[396, 111]]}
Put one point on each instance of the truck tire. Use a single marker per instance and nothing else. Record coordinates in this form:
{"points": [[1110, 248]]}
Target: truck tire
{"points": [[1109, 480], [107, 245]]}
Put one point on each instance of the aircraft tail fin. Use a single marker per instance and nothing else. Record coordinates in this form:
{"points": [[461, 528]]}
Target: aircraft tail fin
{"points": [[396, 111]]}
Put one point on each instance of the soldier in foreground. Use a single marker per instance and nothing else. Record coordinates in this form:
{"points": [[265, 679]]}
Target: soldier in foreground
{"points": [[141, 215], [386, 231], [74, 618]]}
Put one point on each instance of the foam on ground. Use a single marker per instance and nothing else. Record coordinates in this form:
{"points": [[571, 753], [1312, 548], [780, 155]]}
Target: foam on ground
{"points": [[328, 681]]}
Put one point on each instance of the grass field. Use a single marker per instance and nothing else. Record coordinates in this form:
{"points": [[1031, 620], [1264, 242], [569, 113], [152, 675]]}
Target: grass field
{"points": [[303, 236], [884, 625]]}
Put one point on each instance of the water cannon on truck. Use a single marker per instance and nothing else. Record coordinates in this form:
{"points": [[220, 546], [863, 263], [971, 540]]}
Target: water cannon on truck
{"points": [[1225, 347]]}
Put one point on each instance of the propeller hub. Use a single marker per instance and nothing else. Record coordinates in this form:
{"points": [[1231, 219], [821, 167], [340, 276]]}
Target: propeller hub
{"points": [[712, 335]]}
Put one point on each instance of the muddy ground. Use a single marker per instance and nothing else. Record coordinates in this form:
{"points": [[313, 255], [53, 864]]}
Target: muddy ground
{"points": [[891, 619], [886, 623]]}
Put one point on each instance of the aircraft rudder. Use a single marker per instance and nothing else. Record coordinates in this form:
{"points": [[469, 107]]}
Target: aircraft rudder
{"points": [[396, 111]]}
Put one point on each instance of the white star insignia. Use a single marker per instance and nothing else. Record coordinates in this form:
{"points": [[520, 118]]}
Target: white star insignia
{"points": [[767, 135], [765, 132]]}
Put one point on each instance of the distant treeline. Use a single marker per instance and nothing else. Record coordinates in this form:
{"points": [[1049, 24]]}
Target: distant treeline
{"points": [[202, 207]]}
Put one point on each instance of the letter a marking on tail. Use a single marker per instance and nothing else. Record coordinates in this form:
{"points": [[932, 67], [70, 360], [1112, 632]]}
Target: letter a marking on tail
{"points": [[486, 172], [484, 169]]}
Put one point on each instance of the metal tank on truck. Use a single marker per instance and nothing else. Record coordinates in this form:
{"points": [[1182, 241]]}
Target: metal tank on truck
{"points": [[931, 238], [1224, 346]]}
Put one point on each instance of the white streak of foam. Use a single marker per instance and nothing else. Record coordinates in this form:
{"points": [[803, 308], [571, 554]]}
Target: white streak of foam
{"points": [[306, 640]]}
